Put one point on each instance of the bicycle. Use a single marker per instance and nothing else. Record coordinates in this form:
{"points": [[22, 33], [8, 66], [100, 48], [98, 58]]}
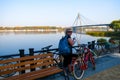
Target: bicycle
{"points": [[81, 63], [101, 49], [105, 48]]}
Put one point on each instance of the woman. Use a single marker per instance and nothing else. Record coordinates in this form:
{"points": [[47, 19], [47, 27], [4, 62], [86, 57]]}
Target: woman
{"points": [[68, 57]]}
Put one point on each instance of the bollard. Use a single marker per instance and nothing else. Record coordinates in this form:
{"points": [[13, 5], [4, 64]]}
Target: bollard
{"points": [[21, 51], [31, 53]]}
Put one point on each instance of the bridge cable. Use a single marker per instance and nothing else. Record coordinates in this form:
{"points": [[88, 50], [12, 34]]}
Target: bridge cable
{"points": [[76, 23]]}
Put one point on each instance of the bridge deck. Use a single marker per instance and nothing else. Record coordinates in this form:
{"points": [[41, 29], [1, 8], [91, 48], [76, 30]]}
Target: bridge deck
{"points": [[93, 25]]}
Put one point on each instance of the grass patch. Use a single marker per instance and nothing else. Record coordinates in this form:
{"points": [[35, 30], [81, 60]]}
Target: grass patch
{"points": [[96, 33], [103, 33]]}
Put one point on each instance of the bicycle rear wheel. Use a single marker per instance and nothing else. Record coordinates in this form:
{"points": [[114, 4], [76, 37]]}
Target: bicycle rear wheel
{"points": [[77, 71]]}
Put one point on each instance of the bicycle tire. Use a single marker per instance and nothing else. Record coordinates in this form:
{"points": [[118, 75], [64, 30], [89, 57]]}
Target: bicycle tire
{"points": [[77, 71], [59, 61]]}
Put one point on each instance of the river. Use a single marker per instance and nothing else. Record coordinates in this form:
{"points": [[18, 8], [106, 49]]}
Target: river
{"points": [[11, 42]]}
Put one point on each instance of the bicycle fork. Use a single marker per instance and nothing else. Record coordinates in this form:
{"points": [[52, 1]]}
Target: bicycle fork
{"points": [[83, 64]]}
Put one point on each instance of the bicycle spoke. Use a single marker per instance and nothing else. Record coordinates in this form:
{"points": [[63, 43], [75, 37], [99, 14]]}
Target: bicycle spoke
{"points": [[77, 71]]}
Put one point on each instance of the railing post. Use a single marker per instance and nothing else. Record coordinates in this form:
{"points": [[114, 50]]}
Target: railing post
{"points": [[31, 53], [119, 46], [21, 51], [93, 45], [89, 45]]}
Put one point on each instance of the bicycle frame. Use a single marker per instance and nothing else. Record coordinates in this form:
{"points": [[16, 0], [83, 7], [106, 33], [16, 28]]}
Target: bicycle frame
{"points": [[84, 55]]}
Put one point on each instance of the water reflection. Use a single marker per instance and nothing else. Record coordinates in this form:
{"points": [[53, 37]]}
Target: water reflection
{"points": [[11, 42], [28, 32]]}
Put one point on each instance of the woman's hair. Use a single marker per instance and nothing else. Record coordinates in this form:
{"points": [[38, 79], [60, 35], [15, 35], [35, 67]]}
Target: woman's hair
{"points": [[67, 30]]}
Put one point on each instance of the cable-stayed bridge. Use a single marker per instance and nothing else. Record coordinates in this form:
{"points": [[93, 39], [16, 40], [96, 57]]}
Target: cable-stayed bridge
{"points": [[78, 27]]}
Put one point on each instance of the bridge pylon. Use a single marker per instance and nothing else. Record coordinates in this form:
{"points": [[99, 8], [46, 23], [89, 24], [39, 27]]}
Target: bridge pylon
{"points": [[76, 23]]}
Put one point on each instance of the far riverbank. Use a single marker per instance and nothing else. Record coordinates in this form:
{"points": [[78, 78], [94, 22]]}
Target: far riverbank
{"points": [[104, 33]]}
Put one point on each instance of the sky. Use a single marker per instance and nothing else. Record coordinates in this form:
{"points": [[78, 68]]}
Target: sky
{"points": [[57, 12]]}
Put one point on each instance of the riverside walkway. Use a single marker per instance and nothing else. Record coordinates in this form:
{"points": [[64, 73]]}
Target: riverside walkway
{"points": [[107, 68]]}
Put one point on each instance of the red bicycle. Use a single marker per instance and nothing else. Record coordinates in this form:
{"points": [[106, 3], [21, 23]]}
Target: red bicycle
{"points": [[81, 63]]}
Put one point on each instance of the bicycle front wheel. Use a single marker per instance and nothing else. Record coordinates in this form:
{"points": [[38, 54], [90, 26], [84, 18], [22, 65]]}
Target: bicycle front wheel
{"points": [[77, 71]]}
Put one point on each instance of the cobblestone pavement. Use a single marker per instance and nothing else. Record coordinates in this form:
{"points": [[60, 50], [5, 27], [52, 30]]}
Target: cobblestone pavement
{"points": [[109, 74]]}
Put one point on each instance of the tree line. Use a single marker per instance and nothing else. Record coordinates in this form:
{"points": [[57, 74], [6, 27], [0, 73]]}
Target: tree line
{"points": [[31, 28], [114, 25]]}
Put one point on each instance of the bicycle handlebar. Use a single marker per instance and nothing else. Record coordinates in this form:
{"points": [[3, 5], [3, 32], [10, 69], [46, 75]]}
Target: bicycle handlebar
{"points": [[47, 47]]}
